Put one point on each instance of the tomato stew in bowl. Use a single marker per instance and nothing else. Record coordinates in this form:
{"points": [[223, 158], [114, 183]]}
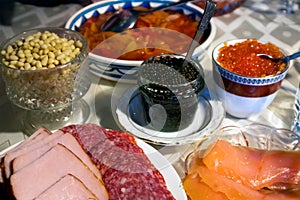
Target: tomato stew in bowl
{"points": [[120, 54]]}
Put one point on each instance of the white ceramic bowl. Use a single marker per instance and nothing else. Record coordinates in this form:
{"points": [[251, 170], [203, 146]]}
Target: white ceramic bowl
{"points": [[243, 96], [125, 70]]}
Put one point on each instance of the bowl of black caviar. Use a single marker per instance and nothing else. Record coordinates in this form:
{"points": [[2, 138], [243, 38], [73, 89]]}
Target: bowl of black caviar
{"points": [[170, 86]]}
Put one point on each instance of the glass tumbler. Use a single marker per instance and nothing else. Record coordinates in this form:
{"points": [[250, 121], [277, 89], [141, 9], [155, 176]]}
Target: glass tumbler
{"points": [[296, 125], [51, 96], [169, 87]]}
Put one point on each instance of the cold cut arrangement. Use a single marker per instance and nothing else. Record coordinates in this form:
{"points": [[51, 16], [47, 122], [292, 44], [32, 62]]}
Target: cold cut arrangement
{"points": [[80, 162]]}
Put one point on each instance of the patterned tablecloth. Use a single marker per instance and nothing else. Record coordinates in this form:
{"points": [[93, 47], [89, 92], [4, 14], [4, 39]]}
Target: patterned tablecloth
{"points": [[244, 22]]}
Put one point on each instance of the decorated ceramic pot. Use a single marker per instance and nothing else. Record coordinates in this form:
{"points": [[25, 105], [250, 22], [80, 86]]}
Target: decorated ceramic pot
{"points": [[245, 90]]}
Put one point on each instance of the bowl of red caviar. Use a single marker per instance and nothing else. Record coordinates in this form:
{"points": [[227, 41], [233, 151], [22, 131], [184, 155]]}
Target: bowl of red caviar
{"points": [[244, 82]]}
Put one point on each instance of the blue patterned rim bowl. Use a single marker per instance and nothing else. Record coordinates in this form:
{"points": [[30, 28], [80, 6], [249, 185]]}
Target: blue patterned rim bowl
{"points": [[125, 70], [243, 96]]}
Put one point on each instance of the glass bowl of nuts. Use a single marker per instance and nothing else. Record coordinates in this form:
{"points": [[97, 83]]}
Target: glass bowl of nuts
{"points": [[46, 74]]}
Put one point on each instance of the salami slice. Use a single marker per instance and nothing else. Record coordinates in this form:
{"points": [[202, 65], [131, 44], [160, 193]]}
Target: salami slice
{"points": [[126, 170], [88, 135], [129, 186]]}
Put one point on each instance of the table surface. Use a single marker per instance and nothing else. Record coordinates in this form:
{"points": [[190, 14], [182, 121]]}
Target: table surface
{"points": [[103, 94]]}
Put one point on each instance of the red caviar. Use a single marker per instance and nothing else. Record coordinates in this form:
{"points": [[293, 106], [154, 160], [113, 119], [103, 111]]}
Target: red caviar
{"points": [[241, 58]]}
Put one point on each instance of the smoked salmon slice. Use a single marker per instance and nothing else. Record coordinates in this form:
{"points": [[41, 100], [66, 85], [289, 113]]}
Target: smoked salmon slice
{"points": [[232, 189], [196, 189], [279, 170], [228, 172], [258, 169]]}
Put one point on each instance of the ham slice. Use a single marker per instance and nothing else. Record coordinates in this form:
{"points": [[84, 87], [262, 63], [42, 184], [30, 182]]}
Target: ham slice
{"points": [[68, 141], [67, 188], [33, 179], [25, 148], [40, 133]]}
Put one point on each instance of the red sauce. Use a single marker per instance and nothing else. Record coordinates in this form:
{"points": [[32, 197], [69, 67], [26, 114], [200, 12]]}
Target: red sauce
{"points": [[241, 58], [128, 44]]}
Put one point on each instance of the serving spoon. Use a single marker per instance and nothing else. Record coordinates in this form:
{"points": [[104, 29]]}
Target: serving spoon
{"points": [[283, 59], [209, 10], [126, 18]]}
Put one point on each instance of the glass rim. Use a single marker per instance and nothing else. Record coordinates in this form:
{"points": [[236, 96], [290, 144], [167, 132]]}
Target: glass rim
{"points": [[194, 63]]}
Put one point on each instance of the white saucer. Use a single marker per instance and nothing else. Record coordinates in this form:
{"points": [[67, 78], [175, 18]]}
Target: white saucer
{"points": [[132, 118]]}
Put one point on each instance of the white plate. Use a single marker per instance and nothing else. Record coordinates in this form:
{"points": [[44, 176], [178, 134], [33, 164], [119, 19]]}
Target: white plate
{"points": [[170, 175], [9, 148], [131, 116]]}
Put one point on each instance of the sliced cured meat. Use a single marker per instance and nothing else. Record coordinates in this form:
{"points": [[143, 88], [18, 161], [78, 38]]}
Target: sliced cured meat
{"points": [[88, 135], [126, 170], [194, 186], [198, 190], [241, 165], [256, 168], [118, 136], [232, 189], [279, 170], [217, 172], [123, 158], [39, 134], [238, 191], [26, 148], [127, 186], [67, 188], [68, 141], [32, 180]]}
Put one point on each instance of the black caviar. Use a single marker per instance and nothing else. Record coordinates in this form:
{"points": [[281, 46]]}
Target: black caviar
{"points": [[169, 71], [174, 83]]}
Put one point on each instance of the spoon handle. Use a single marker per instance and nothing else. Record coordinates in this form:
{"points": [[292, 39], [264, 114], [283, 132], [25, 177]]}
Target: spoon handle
{"points": [[293, 56], [208, 13]]}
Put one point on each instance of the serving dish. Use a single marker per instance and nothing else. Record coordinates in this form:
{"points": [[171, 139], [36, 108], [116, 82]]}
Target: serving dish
{"points": [[254, 158], [255, 135], [170, 175], [245, 95], [125, 70], [48, 85], [172, 179], [131, 117], [170, 85]]}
